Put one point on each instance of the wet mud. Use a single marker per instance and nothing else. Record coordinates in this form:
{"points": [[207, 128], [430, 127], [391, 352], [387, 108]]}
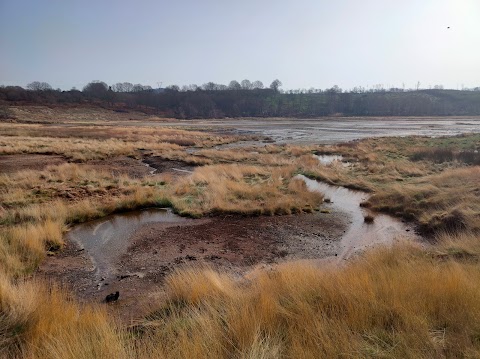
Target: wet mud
{"points": [[329, 130], [138, 265], [157, 165], [106, 240]]}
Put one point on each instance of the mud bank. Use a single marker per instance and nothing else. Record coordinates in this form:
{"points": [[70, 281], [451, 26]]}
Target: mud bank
{"points": [[155, 249]]}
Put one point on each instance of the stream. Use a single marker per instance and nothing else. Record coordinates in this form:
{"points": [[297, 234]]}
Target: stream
{"points": [[360, 234]]}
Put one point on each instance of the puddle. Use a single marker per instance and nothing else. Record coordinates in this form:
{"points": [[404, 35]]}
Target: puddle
{"points": [[151, 170], [105, 240], [160, 165], [360, 235], [182, 170], [328, 159]]}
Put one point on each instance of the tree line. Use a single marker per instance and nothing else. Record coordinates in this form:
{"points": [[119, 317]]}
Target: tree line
{"points": [[253, 99]]}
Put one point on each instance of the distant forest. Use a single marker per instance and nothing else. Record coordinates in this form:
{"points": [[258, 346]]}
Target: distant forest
{"points": [[251, 99]]}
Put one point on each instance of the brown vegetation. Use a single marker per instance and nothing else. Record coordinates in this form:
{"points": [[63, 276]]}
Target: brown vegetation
{"points": [[405, 301], [398, 302]]}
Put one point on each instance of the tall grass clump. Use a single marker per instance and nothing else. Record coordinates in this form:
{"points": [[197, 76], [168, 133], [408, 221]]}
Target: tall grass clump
{"points": [[41, 322], [449, 201], [243, 189], [392, 303]]}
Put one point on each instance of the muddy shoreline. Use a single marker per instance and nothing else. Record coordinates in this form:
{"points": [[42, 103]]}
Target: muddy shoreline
{"points": [[133, 252], [234, 244]]}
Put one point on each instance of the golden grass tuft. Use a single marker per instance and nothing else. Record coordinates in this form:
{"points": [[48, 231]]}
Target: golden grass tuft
{"points": [[392, 303], [243, 189], [37, 322], [438, 202]]}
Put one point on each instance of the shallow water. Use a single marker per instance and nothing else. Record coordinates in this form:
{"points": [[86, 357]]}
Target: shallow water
{"points": [[360, 235], [332, 130], [105, 240], [328, 159]]}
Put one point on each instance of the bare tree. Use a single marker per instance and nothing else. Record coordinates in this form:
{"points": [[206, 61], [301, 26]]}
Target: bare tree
{"points": [[173, 88], [123, 87], [275, 85], [334, 89], [191, 87], [234, 85], [209, 86], [39, 86], [96, 89], [257, 85], [246, 84], [138, 88]]}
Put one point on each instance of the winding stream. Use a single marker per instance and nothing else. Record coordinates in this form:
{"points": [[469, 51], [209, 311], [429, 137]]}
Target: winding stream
{"points": [[360, 235]]}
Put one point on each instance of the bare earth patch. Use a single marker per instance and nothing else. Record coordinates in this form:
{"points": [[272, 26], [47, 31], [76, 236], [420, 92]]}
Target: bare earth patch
{"points": [[120, 165], [16, 163]]}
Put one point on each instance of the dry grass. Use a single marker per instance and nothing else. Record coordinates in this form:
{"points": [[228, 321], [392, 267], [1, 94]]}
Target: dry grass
{"points": [[42, 322], [243, 189], [378, 306], [141, 133], [446, 201], [76, 114], [83, 143], [400, 302], [253, 156]]}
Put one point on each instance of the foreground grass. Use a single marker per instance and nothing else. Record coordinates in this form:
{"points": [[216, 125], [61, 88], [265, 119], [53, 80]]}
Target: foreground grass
{"points": [[401, 302]]}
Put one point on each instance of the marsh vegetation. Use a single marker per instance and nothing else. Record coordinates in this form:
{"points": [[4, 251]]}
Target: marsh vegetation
{"points": [[408, 300]]}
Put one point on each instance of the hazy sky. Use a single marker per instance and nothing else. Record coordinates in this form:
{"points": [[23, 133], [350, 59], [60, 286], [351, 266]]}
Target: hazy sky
{"points": [[304, 43]]}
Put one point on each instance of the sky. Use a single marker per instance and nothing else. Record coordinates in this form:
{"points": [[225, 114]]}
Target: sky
{"points": [[303, 43]]}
